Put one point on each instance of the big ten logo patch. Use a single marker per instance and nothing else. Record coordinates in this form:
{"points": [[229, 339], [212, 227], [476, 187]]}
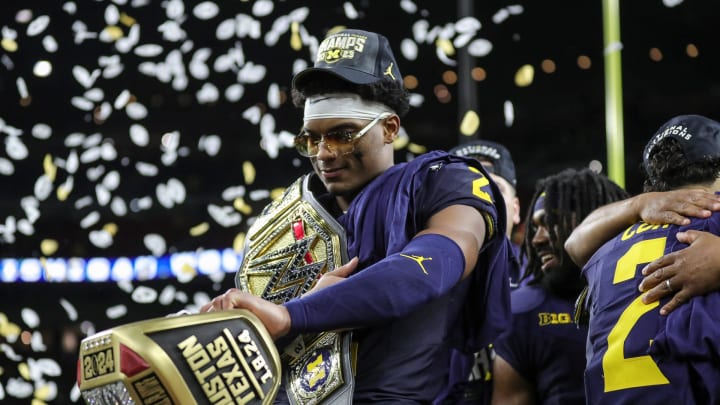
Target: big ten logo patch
{"points": [[552, 318], [340, 46], [316, 370], [230, 369]]}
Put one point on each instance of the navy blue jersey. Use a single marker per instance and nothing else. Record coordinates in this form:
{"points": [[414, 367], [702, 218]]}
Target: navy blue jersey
{"points": [[544, 345], [634, 355], [407, 360]]}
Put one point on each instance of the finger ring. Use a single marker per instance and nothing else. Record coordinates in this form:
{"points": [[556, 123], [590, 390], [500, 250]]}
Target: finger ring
{"points": [[668, 286]]}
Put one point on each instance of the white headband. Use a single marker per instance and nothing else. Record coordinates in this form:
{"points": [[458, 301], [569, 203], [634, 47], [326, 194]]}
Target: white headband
{"points": [[342, 105]]}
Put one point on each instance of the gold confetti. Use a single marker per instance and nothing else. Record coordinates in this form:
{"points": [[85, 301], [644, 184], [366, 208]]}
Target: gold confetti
{"points": [[49, 167], [126, 20], [242, 206], [36, 401], [470, 123], [8, 329], [416, 149], [335, 29], [48, 247], [400, 142], [187, 269], [63, 192], [239, 242], [110, 228], [295, 40], [24, 370], [9, 44], [445, 46], [199, 229], [248, 172], [114, 32], [524, 76], [276, 193], [42, 393]]}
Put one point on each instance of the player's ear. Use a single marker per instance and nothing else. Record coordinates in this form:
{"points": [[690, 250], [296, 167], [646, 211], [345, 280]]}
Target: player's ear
{"points": [[391, 128]]}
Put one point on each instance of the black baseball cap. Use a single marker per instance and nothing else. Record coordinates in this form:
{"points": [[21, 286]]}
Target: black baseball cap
{"points": [[699, 137], [360, 57], [493, 152]]}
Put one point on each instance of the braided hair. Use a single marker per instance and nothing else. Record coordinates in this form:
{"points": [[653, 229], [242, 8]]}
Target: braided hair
{"points": [[667, 168], [570, 196]]}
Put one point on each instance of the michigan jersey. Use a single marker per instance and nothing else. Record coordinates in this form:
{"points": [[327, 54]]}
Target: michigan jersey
{"points": [[635, 355]]}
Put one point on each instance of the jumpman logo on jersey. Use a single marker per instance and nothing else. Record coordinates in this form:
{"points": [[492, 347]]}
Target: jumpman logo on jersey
{"points": [[388, 71], [419, 260]]}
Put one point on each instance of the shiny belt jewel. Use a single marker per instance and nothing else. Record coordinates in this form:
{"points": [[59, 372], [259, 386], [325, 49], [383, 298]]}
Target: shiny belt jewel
{"points": [[223, 357], [292, 243]]}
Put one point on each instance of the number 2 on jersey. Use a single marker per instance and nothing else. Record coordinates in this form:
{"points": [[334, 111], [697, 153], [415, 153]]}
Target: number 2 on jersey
{"points": [[641, 371]]}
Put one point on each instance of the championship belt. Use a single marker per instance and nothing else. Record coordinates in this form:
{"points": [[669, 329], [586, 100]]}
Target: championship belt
{"points": [[292, 243], [224, 357]]}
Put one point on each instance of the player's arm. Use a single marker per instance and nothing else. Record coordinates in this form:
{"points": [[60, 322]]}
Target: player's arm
{"points": [[691, 272], [509, 387], [672, 207], [428, 267]]}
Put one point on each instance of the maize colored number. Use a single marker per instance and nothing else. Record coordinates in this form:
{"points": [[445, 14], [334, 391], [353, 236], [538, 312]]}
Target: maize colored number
{"points": [[478, 184], [641, 371]]}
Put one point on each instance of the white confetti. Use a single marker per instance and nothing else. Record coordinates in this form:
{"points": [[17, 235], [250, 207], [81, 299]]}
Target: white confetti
{"points": [[118, 206], [509, 113], [251, 73], [15, 148], [206, 10], [167, 295], [408, 6], [139, 135], [146, 169], [234, 92], [50, 44], [69, 309], [82, 103], [6, 167], [19, 388], [262, 8], [101, 238], [148, 50], [122, 100], [253, 114], [90, 155], [350, 11], [95, 94], [43, 187], [144, 295], [210, 144], [479, 47], [136, 110], [257, 195], [36, 342], [90, 219], [30, 317], [225, 216], [207, 94], [75, 139], [112, 15], [38, 25], [102, 194], [83, 202], [409, 49], [85, 78], [171, 193], [25, 227], [116, 311]]}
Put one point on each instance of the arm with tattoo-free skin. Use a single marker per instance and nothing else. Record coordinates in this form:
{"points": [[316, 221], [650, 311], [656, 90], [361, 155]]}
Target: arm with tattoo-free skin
{"points": [[671, 207], [509, 387], [690, 272]]}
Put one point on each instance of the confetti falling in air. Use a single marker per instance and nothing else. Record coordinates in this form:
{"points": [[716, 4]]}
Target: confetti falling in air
{"points": [[138, 129]]}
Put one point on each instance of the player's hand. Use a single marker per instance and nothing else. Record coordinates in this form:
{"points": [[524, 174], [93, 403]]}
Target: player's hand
{"points": [[674, 207], [686, 273], [276, 318], [336, 276]]}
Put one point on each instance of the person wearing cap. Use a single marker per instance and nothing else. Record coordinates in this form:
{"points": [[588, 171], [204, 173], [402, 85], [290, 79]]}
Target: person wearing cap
{"points": [[496, 159], [430, 255], [634, 354], [540, 360]]}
